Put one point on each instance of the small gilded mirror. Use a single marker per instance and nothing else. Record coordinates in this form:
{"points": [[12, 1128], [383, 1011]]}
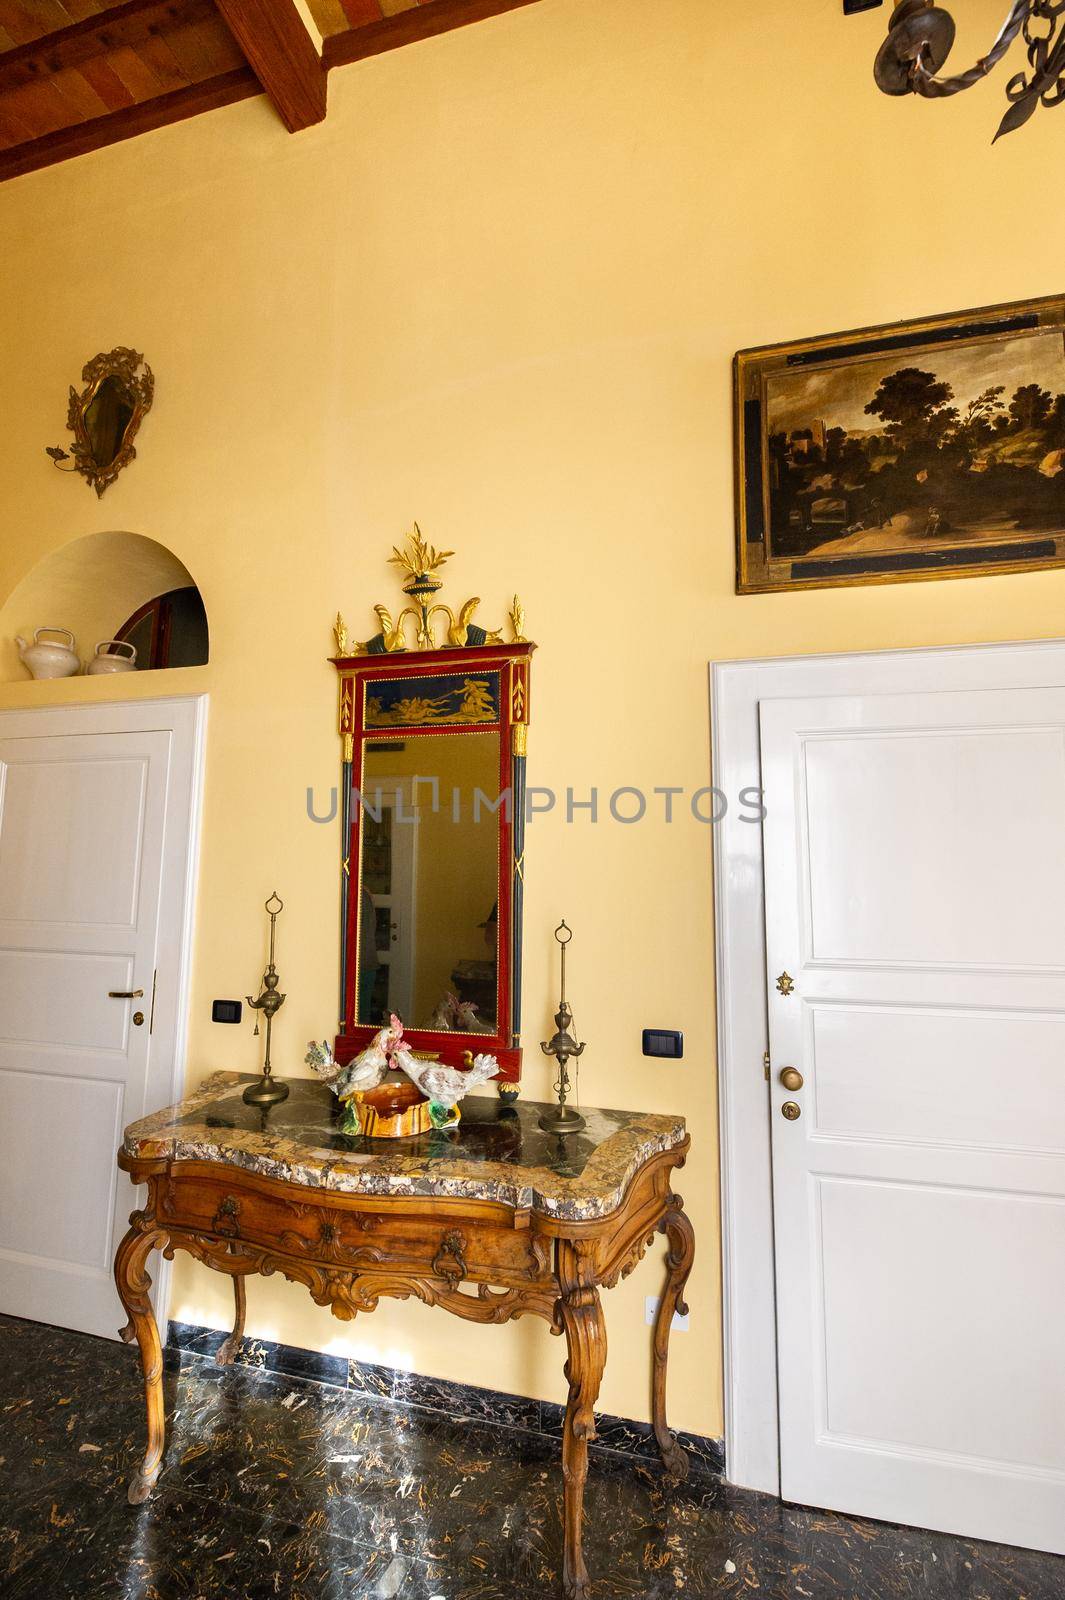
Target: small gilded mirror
{"points": [[105, 417]]}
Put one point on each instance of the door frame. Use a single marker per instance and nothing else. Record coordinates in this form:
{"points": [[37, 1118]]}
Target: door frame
{"points": [[185, 719], [752, 1440]]}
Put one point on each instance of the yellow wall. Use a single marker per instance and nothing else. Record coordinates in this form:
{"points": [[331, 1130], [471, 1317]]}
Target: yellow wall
{"points": [[499, 291]]}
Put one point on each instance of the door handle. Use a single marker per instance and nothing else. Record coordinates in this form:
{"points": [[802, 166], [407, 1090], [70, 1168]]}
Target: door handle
{"points": [[125, 994]]}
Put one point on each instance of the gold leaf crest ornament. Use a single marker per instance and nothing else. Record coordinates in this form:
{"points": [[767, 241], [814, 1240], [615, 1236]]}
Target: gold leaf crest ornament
{"points": [[421, 562]]}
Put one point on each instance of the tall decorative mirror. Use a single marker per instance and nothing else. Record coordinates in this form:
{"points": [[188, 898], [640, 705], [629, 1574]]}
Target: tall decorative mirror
{"points": [[434, 715], [105, 416]]}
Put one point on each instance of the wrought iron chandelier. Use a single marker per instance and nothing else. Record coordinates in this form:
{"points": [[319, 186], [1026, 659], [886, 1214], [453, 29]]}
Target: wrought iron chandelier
{"points": [[921, 34]]}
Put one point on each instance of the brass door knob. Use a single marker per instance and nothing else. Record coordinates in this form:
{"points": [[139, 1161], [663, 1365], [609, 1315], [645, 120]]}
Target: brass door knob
{"points": [[791, 1078], [791, 1111]]}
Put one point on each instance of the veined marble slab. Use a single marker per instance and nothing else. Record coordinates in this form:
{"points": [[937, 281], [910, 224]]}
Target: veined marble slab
{"points": [[497, 1152]]}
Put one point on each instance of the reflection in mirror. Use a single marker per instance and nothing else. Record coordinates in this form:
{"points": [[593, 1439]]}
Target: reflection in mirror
{"points": [[429, 885], [107, 416]]}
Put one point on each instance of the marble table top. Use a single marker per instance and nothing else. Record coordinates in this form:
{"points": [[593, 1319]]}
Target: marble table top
{"points": [[497, 1152]]}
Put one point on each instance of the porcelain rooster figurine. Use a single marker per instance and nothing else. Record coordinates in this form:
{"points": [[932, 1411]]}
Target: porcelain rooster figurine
{"points": [[369, 1068], [366, 1071], [444, 1086]]}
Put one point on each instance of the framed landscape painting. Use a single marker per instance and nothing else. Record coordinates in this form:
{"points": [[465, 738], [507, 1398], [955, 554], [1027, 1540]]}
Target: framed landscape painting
{"points": [[932, 449]]}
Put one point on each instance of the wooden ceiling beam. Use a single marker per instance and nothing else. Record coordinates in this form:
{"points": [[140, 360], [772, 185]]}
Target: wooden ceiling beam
{"points": [[128, 24], [223, 90], [282, 61], [280, 51], [406, 27]]}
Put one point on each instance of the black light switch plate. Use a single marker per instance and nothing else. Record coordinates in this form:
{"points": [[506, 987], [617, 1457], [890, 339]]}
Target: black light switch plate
{"points": [[226, 1011], [663, 1042]]}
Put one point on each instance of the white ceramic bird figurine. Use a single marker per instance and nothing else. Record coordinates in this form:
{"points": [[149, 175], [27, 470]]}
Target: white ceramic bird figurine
{"points": [[444, 1086], [368, 1068], [322, 1059]]}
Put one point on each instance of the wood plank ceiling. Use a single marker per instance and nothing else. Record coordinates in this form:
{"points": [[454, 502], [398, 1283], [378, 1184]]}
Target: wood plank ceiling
{"points": [[78, 74]]}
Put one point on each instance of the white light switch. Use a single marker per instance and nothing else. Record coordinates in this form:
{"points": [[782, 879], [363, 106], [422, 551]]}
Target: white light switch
{"points": [[680, 1324]]}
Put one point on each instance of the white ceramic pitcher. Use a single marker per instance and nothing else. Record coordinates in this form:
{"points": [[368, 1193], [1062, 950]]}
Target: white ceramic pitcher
{"points": [[107, 658], [49, 660]]}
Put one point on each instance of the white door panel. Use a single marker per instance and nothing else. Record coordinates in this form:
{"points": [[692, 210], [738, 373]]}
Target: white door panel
{"points": [[930, 798], [914, 878], [928, 1076], [82, 836], [54, 997], [53, 1232], [908, 1311], [54, 809]]}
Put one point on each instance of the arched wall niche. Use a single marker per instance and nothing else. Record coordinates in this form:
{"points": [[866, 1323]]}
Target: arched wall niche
{"points": [[92, 586]]}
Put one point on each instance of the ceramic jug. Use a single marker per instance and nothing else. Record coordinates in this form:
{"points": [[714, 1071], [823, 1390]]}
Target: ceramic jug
{"points": [[49, 660], [105, 661]]}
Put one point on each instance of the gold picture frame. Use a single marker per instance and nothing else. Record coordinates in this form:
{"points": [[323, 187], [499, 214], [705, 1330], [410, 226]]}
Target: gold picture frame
{"points": [[916, 450]]}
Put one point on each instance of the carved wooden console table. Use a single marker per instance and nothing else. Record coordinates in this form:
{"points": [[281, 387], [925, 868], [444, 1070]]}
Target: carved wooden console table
{"points": [[492, 1221]]}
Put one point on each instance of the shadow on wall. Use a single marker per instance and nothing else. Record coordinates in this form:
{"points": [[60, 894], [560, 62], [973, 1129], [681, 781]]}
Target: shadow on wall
{"points": [[103, 587]]}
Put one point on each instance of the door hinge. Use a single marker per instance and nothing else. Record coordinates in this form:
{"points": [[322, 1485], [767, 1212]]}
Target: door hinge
{"points": [[765, 1064], [151, 1017]]}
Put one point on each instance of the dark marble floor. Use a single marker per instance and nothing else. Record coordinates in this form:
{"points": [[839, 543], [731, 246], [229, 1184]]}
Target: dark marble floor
{"points": [[275, 1486]]}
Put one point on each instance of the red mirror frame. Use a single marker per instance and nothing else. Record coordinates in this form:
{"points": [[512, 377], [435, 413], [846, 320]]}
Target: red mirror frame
{"points": [[508, 665]]}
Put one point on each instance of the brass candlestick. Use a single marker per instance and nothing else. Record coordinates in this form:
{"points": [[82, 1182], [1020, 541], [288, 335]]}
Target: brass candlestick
{"points": [[268, 1091], [562, 1045]]}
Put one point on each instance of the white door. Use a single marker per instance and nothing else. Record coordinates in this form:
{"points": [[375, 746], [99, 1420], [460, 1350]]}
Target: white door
{"points": [[915, 897], [83, 843]]}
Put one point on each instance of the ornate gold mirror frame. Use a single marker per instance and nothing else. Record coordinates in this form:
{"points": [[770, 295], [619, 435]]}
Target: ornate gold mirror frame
{"points": [[106, 416], [429, 673]]}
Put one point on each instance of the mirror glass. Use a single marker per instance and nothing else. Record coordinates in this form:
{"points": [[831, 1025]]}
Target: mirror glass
{"points": [[429, 884], [107, 416]]}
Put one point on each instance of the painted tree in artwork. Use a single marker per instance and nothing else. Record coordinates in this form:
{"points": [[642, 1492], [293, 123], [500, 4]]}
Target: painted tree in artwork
{"points": [[914, 405], [980, 415], [1030, 406]]}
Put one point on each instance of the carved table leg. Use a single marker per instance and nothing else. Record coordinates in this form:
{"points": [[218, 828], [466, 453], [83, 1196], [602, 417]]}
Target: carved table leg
{"points": [[582, 1318], [678, 1230], [133, 1284], [231, 1348]]}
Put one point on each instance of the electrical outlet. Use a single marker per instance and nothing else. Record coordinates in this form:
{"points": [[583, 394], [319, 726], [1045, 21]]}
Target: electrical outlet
{"points": [[680, 1324]]}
